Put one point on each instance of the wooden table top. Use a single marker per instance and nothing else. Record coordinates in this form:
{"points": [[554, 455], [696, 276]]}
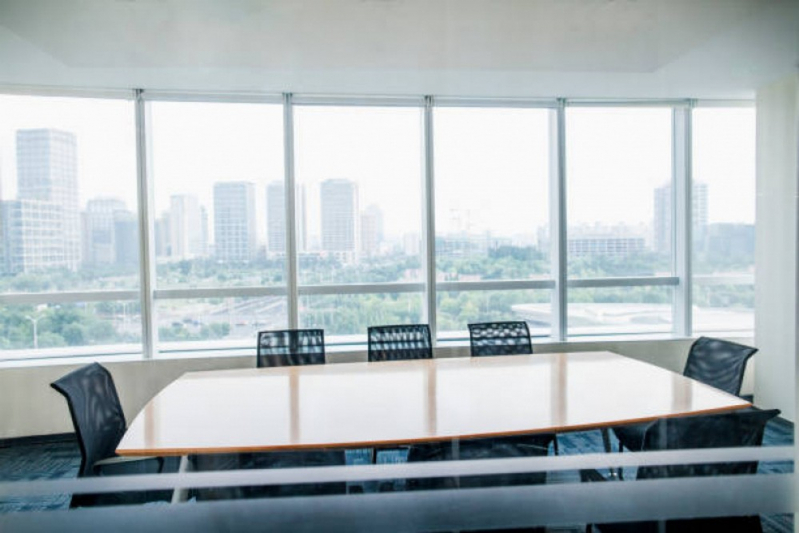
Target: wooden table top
{"points": [[389, 403]]}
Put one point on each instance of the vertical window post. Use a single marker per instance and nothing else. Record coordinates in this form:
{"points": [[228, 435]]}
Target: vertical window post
{"points": [[682, 215], [557, 224], [146, 228], [429, 220], [291, 227]]}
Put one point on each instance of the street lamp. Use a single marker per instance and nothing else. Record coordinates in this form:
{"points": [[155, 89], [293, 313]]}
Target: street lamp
{"points": [[35, 322]]}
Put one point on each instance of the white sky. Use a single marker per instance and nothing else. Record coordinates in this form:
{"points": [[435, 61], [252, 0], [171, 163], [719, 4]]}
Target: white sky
{"points": [[492, 165]]}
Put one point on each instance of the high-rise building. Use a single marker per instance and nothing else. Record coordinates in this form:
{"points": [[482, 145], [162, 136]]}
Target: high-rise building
{"points": [[99, 237], [33, 236], [371, 230], [276, 218], [663, 217], [47, 171], [339, 199], [186, 227], [126, 238], [163, 239], [234, 221]]}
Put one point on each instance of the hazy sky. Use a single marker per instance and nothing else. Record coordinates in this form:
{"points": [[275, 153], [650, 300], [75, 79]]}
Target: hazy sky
{"points": [[492, 165]]}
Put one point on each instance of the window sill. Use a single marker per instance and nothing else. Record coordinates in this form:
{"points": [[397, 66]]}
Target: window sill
{"points": [[356, 352]]}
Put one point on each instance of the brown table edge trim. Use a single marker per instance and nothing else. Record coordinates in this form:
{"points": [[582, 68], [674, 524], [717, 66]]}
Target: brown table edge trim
{"points": [[176, 452]]}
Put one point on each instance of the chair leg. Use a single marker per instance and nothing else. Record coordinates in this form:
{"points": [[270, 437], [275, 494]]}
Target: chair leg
{"points": [[555, 448]]}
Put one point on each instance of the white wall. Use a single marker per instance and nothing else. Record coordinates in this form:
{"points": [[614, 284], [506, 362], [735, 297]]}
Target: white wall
{"points": [[776, 253], [28, 406]]}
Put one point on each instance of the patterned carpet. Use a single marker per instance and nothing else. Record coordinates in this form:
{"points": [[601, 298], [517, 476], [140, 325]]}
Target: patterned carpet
{"points": [[61, 459]]}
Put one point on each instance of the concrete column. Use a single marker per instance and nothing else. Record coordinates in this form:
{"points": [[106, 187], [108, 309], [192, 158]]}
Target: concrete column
{"points": [[777, 249]]}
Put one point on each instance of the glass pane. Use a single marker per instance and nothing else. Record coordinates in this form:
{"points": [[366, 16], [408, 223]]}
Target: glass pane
{"points": [[724, 307], [347, 316], [618, 163], [216, 168], [456, 309], [68, 216], [359, 178], [492, 193], [724, 219], [217, 323], [69, 330], [620, 310]]}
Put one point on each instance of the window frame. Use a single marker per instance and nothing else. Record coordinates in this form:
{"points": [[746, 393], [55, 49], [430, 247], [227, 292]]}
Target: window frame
{"points": [[558, 284]]}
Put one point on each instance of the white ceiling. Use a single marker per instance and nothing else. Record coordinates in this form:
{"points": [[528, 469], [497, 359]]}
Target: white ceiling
{"points": [[526, 48]]}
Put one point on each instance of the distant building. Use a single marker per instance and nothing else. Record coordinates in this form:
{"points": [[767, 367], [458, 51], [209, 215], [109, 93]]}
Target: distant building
{"points": [[276, 218], [47, 171], [33, 236], [339, 198], [371, 230], [186, 227], [733, 242], [126, 238], [617, 240], [163, 242], [234, 221], [99, 236], [663, 217]]}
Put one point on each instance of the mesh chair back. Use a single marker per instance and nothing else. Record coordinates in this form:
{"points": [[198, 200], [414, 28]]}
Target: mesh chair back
{"points": [[96, 413], [499, 338], [394, 343], [738, 428], [718, 363], [291, 347]]}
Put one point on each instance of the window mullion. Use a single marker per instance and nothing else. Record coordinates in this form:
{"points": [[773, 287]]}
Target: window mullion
{"points": [[682, 214], [557, 224], [429, 220], [146, 201], [289, 197]]}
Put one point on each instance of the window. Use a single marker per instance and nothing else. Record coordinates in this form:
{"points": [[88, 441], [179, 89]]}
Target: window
{"points": [[723, 219], [619, 190], [359, 198], [69, 252], [492, 172], [217, 174], [70, 266]]}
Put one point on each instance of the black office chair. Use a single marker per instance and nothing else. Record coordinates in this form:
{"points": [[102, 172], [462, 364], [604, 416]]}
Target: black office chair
{"points": [[477, 449], [735, 429], [99, 424], [291, 347], [499, 338], [400, 342], [715, 362], [506, 338]]}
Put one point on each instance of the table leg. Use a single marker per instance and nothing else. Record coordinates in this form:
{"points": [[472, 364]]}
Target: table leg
{"points": [[180, 495]]}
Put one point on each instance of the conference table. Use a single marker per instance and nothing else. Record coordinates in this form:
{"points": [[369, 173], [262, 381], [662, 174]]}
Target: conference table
{"points": [[356, 405]]}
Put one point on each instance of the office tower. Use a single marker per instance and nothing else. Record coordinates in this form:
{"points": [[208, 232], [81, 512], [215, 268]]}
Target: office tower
{"points": [[339, 198], [371, 230], [100, 240], [276, 218], [33, 236], [234, 221], [126, 238], [163, 247], [663, 217], [186, 227], [47, 171], [203, 247]]}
